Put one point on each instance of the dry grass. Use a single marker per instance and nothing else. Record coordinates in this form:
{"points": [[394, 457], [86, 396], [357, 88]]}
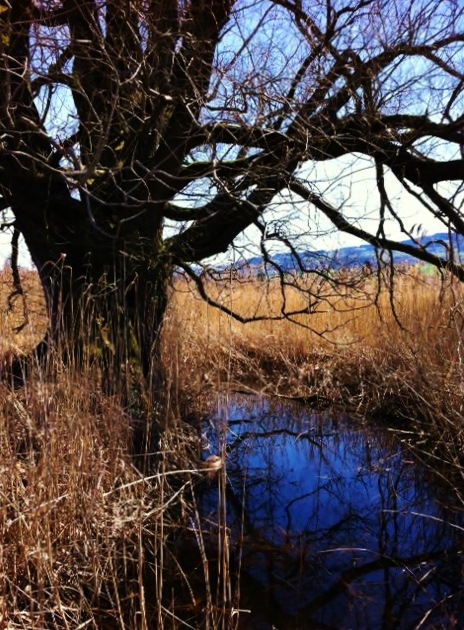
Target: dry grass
{"points": [[84, 536], [399, 361], [208, 343], [22, 316], [86, 539], [88, 542]]}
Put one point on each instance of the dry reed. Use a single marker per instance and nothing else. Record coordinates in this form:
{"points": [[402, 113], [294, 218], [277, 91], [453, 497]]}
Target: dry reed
{"points": [[393, 356], [87, 541]]}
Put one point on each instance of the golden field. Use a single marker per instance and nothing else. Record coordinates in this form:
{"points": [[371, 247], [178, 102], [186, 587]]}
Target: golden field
{"points": [[366, 352], [88, 541]]}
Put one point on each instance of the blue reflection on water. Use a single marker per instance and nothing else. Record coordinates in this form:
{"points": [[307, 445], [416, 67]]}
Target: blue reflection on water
{"points": [[335, 522]]}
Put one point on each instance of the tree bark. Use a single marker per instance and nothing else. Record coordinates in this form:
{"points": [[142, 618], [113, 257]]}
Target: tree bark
{"points": [[106, 298]]}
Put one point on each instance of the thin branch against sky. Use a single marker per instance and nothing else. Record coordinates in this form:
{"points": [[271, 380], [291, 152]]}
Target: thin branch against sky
{"points": [[324, 75]]}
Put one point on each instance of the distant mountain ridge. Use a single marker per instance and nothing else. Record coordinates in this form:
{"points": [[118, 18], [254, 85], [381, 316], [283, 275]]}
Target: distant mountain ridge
{"points": [[359, 255]]}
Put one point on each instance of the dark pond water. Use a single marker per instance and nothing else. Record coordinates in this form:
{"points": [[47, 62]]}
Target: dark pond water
{"points": [[333, 523]]}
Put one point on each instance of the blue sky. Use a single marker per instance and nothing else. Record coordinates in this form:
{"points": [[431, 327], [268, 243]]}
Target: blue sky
{"points": [[349, 182], [256, 50]]}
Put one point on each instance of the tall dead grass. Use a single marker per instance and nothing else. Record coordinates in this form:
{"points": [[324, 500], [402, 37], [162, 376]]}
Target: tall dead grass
{"points": [[87, 541], [22, 312], [319, 349], [396, 356]]}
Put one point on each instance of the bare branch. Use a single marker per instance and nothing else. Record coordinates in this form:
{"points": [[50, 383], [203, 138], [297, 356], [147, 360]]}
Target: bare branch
{"points": [[343, 225]]}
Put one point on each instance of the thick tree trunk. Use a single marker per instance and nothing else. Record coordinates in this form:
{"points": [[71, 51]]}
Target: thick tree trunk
{"points": [[106, 301]]}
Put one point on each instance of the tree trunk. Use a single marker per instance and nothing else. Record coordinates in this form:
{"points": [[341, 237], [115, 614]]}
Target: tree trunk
{"points": [[106, 300]]}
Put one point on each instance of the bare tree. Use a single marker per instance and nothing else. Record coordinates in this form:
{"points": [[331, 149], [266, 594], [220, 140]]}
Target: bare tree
{"points": [[118, 117]]}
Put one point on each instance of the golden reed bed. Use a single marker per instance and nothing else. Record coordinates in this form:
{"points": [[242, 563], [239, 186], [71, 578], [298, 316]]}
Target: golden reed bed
{"points": [[85, 537]]}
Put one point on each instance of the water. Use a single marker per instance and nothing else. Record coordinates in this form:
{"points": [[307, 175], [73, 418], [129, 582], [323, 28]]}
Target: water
{"points": [[335, 525]]}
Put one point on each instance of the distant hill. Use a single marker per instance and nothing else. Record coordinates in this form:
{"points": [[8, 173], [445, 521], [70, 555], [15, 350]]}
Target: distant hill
{"points": [[357, 256]]}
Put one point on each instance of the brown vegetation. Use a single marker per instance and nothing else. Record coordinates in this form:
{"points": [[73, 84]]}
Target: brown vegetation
{"points": [[22, 312], [315, 353], [87, 539], [395, 356]]}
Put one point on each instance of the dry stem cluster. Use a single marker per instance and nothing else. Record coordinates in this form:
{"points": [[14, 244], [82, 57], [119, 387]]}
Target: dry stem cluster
{"points": [[393, 356], [88, 541]]}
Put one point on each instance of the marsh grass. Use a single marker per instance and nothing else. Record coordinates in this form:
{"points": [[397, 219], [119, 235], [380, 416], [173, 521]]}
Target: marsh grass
{"points": [[392, 352], [22, 313], [89, 541], [420, 327], [86, 539]]}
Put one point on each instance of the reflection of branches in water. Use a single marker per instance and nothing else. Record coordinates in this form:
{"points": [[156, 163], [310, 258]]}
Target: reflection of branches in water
{"points": [[253, 435], [348, 577], [296, 500], [364, 492], [389, 505], [285, 565]]}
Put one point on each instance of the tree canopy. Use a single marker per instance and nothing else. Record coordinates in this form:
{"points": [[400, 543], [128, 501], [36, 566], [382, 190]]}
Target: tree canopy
{"points": [[121, 117]]}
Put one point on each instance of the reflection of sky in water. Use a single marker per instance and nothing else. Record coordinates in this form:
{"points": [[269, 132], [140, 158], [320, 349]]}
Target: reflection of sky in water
{"points": [[338, 522]]}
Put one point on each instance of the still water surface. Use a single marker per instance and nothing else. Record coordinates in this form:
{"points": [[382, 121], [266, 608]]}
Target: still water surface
{"points": [[336, 526]]}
